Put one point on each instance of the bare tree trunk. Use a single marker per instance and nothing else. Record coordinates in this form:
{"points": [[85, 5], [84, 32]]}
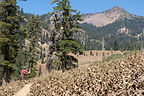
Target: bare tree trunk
{"points": [[5, 76], [40, 71], [49, 60], [48, 65], [63, 66], [103, 44], [53, 39]]}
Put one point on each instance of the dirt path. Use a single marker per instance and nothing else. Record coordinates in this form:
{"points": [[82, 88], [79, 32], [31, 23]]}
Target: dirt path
{"points": [[84, 65], [24, 91]]}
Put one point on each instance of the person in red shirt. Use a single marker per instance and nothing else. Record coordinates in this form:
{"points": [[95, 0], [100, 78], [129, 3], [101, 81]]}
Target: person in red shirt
{"points": [[24, 75]]}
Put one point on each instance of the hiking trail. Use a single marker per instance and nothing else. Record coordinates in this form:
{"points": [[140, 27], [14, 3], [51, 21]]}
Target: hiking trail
{"points": [[24, 91]]}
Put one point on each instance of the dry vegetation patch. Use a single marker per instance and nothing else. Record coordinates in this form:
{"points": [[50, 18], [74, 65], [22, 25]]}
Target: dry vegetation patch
{"points": [[11, 88], [122, 77], [14, 86]]}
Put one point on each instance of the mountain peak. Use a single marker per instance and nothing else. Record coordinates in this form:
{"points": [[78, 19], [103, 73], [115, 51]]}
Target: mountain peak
{"points": [[106, 17], [116, 8]]}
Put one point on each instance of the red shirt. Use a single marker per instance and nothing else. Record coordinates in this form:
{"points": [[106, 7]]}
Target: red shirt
{"points": [[24, 71]]}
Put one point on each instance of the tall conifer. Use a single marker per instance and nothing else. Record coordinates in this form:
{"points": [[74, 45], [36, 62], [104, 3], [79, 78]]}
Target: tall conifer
{"points": [[34, 29], [9, 26], [66, 22]]}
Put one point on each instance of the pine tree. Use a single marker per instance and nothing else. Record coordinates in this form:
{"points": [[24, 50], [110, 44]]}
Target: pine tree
{"points": [[91, 53], [34, 30], [9, 26], [66, 24], [115, 46], [22, 56]]}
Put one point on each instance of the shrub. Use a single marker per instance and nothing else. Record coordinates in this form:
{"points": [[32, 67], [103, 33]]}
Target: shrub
{"points": [[114, 56]]}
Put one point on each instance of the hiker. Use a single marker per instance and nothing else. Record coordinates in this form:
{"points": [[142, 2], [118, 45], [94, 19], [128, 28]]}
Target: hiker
{"points": [[24, 75]]}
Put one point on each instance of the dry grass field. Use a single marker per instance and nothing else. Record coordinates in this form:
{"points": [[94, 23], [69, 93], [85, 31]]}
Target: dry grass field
{"points": [[98, 55]]}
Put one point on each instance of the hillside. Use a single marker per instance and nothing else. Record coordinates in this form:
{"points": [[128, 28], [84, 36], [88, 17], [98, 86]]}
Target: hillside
{"points": [[127, 33], [124, 76], [119, 29], [118, 77], [106, 17], [109, 16]]}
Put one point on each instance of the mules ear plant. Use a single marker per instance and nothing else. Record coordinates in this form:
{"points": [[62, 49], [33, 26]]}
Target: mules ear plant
{"points": [[118, 77]]}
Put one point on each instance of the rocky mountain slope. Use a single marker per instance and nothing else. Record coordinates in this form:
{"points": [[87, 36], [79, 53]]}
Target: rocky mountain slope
{"points": [[107, 17], [116, 26]]}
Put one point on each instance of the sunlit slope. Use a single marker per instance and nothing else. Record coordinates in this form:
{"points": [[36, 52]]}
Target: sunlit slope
{"points": [[123, 76]]}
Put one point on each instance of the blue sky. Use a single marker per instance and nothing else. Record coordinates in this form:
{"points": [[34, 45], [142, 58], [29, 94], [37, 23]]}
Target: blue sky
{"points": [[85, 6]]}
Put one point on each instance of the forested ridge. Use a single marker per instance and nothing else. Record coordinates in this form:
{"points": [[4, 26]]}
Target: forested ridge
{"points": [[90, 37], [129, 39]]}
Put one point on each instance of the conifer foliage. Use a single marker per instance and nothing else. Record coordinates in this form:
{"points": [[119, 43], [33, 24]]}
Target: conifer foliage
{"points": [[66, 22], [34, 31], [9, 31]]}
